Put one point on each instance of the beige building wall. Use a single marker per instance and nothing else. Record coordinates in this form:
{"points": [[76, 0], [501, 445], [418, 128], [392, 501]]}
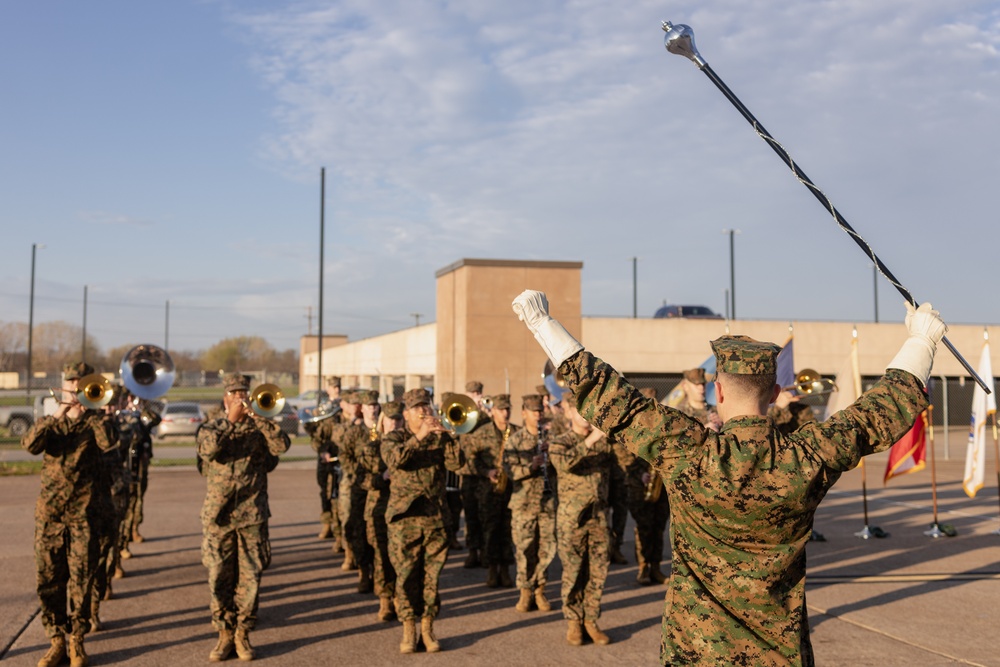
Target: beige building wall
{"points": [[477, 337]]}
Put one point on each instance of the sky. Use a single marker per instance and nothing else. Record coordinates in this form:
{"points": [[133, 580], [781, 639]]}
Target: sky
{"points": [[170, 153]]}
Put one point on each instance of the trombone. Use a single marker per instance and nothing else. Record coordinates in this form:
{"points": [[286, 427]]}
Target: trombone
{"points": [[266, 400], [93, 391], [810, 383], [459, 413]]}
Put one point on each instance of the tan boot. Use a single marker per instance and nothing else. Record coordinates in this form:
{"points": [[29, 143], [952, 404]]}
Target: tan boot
{"points": [[136, 537], [574, 633], [427, 634], [365, 583], [95, 620], [617, 557], [524, 604], [125, 554], [325, 529], [541, 601], [243, 648], [409, 643], [223, 648], [385, 609], [55, 654], [119, 572], [108, 593], [656, 575], [472, 560], [349, 562], [644, 578], [595, 633], [492, 577], [505, 580], [74, 648]]}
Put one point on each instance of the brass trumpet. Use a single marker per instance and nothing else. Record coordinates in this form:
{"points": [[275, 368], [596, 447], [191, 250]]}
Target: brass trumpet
{"points": [[810, 383], [94, 391], [459, 413], [266, 400]]}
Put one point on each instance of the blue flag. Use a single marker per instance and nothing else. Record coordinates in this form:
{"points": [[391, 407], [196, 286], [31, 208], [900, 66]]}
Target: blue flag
{"points": [[786, 365]]}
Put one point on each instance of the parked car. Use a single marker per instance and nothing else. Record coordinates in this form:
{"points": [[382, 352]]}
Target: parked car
{"points": [[693, 312], [288, 419], [306, 399], [180, 418]]}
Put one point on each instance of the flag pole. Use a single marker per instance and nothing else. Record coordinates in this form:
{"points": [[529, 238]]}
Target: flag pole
{"points": [[866, 532], [996, 450], [936, 529], [680, 40]]}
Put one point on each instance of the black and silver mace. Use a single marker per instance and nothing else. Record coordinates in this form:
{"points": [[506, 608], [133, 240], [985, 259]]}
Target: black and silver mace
{"points": [[680, 40]]}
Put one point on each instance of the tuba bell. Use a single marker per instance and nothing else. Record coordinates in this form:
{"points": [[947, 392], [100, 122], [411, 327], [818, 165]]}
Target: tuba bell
{"points": [[267, 400], [147, 371], [553, 381], [810, 383], [459, 413]]}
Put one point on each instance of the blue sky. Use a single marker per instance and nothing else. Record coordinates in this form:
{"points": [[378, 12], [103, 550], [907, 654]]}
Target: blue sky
{"points": [[171, 151]]}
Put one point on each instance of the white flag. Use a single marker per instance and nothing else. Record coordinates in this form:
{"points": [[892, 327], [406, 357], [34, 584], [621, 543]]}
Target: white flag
{"points": [[848, 382], [983, 405]]}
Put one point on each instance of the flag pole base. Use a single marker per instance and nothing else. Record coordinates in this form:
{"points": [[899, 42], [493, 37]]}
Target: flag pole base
{"points": [[941, 530], [997, 531], [869, 533]]}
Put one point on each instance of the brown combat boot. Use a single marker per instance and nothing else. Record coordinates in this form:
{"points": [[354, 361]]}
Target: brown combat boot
{"points": [[540, 601], [595, 633], [524, 604], [574, 633], [617, 557], [95, 620], [119, 572], [325, 529], [244, 650], [223, 648], [409, 643], [136, 537], [386, 612], [55, 654], [349, 562], [644, 578], [492, 577], [427, 634], [125, 554], [472, 560], [108, 593], [505, 580], [365, 582], [77, 656], [656, 575]]}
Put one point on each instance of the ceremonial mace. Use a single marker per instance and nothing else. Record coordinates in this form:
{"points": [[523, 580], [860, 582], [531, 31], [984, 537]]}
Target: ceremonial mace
{"points": [[680, 40]]}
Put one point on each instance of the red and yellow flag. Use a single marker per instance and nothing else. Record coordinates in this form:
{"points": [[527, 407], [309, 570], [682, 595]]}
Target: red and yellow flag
{"points": [[909, 454]]}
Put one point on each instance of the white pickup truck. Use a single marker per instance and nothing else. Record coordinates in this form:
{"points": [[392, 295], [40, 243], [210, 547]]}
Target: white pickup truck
{"points": [[17, 419]]}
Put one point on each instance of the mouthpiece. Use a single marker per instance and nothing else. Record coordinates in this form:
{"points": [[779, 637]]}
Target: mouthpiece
{"points": [[680, 40]]}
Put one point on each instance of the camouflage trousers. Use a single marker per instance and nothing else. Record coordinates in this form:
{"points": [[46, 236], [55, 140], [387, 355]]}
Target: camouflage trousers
{"points": [[235, 558], [470, 505], [418, 549], [328, 479], [494, 517], [534, 537], [352, 513], [67, 558], [618, 500], [650, 524], [583, 552], [383, 573], [110, 548], [137, 492]]}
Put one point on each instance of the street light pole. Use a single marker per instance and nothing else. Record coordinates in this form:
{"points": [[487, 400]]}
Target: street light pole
{"points": [[875, 283], [83, 347], [31, 319], [732, 270], [635, 287]]}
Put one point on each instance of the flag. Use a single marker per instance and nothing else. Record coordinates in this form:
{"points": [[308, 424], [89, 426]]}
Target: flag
{"points": [[909, 454], [848, 382], [675, 396], [983, 405], [786, 364]]}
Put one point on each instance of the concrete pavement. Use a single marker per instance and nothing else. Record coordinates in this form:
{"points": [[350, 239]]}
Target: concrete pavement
{"points": [[904, 600]]}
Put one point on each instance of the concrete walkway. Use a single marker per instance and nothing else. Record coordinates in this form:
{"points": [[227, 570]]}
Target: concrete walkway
{"points": [[901, 601]]}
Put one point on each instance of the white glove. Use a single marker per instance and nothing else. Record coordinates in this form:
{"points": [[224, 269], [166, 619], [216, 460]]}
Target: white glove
{"points": [[532, 308], [926, 328]]}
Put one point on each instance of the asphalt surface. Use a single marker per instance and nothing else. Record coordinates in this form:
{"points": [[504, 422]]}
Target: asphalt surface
{"points": [[908, 599]]}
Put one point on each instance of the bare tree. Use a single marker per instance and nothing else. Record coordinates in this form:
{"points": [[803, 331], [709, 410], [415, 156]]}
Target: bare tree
{"points": [[13, 346]]}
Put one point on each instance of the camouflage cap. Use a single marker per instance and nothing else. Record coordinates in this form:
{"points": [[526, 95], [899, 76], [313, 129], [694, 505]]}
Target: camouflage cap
{"points": [[393, 409], [532, 402], [367, 397], [77, 370], [333, 381], [415, 397], [236, 382], [350, 396], [648, 392], [742, 355], [695, 375], [474, 387], [542, 390], [501, 402]]}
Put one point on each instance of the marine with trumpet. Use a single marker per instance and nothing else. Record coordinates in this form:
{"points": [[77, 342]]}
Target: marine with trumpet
{"points": [[470, 482], [417, 458], [532, 505], [74, 515], [237, 451], [352, 439], [319, 426], [484, 449]]}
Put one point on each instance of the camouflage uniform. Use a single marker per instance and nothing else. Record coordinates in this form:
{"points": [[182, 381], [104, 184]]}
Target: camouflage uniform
{"points": [[416, 515], [792, 417], [236, 458], [328, 472], [137, 445], [110, 557], [484, 449], [376, 502], [472, 488], [532, 510], [74, 515], [743, 502], [582, 521], [353, 439]]}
